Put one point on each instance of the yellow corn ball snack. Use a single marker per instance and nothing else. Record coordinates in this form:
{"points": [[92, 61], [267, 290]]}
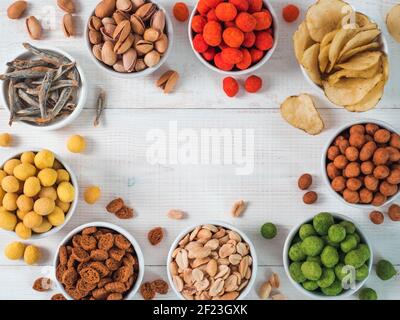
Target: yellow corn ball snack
{"points": [[32, 220], [47, 177], [14, 250], [92, 194], [31, 255], [44, 206], [5, 140], [44, 159], [76, 144], [23, 231], [66, 192], [8, 220]]}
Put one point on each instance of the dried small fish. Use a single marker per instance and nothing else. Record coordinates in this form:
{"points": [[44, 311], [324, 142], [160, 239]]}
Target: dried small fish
{"points": [[35, 72], [62, 101], [44, 92], [30, 100], [100, 106], [12, 97], [26, 64], [45, 55]]}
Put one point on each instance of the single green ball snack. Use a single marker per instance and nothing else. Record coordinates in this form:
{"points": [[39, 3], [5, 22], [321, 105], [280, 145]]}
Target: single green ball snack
{"points": [[311, 270], [312, 246], [322, 222], [296, 253], [336, 233], [365, 249], [340, 271], [349, 226], [362, 272], [355, 258], [310, 285], [368, 294], [334, 289], [316, 259], [295, 272], [327, 278], [306, 230], [329, 257], [385, 270], [268, 230], [329, 242], [349, 243]]}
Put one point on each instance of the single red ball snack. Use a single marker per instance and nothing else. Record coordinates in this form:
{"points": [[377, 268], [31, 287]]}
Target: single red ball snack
{"points": [[231, 86], [241, 5], [233, 37], [226, 11], [246, 22], [253, 84], [249, 39], [212, 33], [264, 40], [232, 55], [202, 7], [199, 44], [264, 20], [211, 16], [221, 64], [255, 5], [256, 55], [290, 13], [209, 54], [180, 11], [198, 23], [246, 61]]}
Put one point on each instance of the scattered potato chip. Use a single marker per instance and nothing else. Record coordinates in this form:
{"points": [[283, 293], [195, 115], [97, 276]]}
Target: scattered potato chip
{"points": [[393, 22], [370, 100], [301, 41], [324, 17], [360, 39], [362, 61], [347, 55], [300, 112], [365, 74], [310, 63], [350, 91]]}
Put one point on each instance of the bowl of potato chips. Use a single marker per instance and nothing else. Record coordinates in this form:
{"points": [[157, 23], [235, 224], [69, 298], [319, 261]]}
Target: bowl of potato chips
{"points": [[343, 53]]}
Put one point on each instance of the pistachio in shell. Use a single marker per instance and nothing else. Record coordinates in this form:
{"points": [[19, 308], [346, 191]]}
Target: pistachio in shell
{"points": [[124, 5], [95, 23], [95, 37], [146, 11], [123, 46], [68, 25], [105, 8], [168, 81], [162, 43], [151, 34], [129, 60], [108, 56], [16, 9], [108, 20], [66, 5], [33, 27], [96, 50], [119, 16], [108, 31], [140, 65], [152, 58], [119, 66], [122, 30], [137, 24], [143, 47], [158, 20]]}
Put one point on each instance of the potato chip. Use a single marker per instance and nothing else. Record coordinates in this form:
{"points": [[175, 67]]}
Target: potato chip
{"points": [[347, 55], [301, 41], [350, 91], [393, 22], [310, 63], [338, 42], [362, 61], [385, 67], [361, 19], [323, 58], [370, 100], [324, 17], [360, 39], [365, 74], [328, 38], [300, 112]]}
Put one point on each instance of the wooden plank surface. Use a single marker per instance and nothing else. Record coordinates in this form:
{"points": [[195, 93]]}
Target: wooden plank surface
{"points": [[116, 158]]}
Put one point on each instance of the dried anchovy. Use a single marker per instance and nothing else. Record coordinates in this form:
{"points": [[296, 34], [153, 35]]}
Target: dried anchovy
{"points": [[61, 71], [62, 101], [26, 64], [12, 97], [35, 72], [44, 92], [31, 101], [45, 55], [100, 106]]}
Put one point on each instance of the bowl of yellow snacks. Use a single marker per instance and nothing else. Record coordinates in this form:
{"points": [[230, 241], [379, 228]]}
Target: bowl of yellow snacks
{"points": [[38, 194]]}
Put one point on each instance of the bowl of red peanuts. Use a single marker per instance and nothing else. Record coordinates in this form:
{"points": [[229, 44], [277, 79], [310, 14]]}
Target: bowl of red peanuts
{"points": [[233, 37]]}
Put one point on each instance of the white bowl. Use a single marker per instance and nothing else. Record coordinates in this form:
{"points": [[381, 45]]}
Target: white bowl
{"points": [[72, 209], [323, 162], [253, 68], [225, 225], [82, 92], [384, 48], [310, 294], [132, 75], [116, 228]]}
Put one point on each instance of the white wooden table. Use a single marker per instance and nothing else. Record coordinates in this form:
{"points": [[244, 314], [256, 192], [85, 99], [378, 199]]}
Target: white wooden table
{"points": [[116, 155]]}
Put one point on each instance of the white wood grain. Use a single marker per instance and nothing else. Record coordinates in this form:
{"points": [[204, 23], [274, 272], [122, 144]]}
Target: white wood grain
{"points": [[116, 155]]}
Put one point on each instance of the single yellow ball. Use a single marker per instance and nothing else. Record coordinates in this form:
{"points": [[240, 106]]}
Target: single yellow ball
{"points": [[48, 192], [57, 217], [44, 206], [24, 203], [24, 170], [31, 254], [10, 165], [44, 159], [8, 220], [14, 250], [5, 140], [64, 206], [32, 186], [28, 157], [23, 231], [10, 184], [3, 174], [47, 177], [92, 194], [32, 220], [10, 201], [44, 227], [62, 175], [76, 144], [66, 192], [21, 214]]}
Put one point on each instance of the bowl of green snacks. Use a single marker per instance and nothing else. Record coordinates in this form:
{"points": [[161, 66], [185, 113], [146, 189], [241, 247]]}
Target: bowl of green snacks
{"points": [[327, 257]]}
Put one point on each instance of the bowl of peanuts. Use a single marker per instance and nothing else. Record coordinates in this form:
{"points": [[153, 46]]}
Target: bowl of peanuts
{"points": [[212, 261], [361, 164]]}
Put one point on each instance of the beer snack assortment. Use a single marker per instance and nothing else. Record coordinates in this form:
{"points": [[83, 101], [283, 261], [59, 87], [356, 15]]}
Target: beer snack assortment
{"points": [[341, 52]]}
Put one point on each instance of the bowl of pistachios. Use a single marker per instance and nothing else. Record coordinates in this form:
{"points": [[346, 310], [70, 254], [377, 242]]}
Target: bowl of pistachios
{"points": [[129, 38]]}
